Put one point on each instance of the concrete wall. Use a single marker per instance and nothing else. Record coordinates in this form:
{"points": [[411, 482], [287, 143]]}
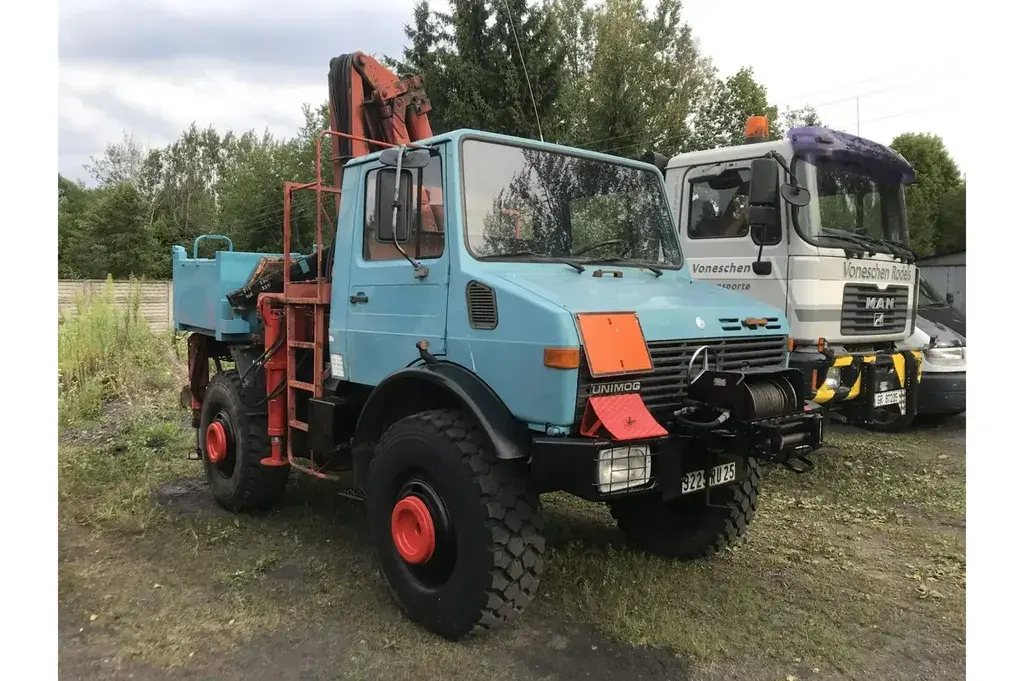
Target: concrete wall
{"points": [[948, 279], [156, 298]]}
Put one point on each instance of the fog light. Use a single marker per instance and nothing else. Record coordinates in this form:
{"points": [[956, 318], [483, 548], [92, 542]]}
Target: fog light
{"points": [[623, 467], [832, 380]]}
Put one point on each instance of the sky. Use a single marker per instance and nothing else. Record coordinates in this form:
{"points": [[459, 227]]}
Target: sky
{"points": [[151, 68]]}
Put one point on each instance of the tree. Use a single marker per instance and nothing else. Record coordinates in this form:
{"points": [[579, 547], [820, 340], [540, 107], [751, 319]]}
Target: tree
{"points": [[472, 60], [646, 71], [951, 221], [725, 107], [937, 176], [120, 162], [112, 234]]}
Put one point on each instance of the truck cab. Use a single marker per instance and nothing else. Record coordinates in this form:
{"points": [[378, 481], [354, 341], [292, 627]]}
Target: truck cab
{"points": [[835, 256]]}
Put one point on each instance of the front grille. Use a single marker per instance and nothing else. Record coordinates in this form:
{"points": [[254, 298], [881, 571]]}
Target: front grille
{"points": [[663, 389], [869, 310]]}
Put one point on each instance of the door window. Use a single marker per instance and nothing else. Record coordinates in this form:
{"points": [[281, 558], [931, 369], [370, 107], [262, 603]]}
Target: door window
{"points": [[718, 205], [427, 236]]}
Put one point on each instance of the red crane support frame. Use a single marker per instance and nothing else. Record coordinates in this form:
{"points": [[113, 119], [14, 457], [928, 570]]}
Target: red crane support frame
{"points": [[381, 105]]}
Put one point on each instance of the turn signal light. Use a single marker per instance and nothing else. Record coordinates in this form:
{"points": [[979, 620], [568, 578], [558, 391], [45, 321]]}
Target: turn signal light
{"points": [[562, 358], [821, 345], [792, 343]]}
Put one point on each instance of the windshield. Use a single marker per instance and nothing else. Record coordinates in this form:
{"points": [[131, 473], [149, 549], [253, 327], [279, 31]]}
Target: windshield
{"points": [[848, 202], [537, 204]]}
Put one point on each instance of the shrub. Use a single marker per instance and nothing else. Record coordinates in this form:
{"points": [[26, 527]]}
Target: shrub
{"points": [[107, 351]]}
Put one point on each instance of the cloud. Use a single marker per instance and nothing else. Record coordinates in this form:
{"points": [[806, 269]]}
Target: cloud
{"points": [[153, 68]]}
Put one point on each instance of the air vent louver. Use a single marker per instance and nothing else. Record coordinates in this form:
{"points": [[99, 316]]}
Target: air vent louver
{"points": [[482, 306]]}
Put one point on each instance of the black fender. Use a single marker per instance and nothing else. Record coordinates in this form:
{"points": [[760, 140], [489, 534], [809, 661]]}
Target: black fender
{"points": [[431, 386]]}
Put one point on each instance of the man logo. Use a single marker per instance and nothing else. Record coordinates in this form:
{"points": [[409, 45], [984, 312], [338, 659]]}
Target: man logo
{"points": [[880, 303], [879, 319]]}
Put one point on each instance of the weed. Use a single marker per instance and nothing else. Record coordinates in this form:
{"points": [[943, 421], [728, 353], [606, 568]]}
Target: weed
{"points": [[106, 350]]}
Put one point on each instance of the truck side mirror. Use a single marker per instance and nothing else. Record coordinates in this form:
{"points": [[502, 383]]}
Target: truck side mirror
{"points": [[385, 208], [762, 211]]}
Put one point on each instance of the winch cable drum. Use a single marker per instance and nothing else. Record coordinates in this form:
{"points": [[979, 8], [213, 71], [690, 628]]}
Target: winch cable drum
{"points": [[770, 397]]}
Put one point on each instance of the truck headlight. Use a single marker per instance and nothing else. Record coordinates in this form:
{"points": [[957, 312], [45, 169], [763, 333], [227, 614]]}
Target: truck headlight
{"points": [[622, 468], [947, 354], [832, 378], [946, 351]]}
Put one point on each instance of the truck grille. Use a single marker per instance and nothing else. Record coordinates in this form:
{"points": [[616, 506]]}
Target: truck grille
{"points": [[663, 389], [869, 310]]}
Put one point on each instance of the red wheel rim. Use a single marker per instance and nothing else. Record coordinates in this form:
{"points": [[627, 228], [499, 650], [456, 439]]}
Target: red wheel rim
{"points": [[412, 530], [216, 442]]}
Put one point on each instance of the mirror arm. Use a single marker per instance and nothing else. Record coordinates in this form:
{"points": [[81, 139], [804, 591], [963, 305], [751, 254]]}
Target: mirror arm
{"points": [[761, 267], [419, 271]]}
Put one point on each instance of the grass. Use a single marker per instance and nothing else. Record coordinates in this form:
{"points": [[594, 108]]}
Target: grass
{"points": [[107, 351], [857, 569]]}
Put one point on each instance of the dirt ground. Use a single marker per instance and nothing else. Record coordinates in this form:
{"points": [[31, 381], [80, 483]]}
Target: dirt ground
{"points": [[856, 570]]}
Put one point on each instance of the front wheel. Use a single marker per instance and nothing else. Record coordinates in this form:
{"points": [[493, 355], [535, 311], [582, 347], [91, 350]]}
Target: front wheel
{"points": [[457, 530], [688, 527]]}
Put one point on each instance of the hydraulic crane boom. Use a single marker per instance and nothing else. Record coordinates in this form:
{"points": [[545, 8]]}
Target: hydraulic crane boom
{"points": [[369, 102]]}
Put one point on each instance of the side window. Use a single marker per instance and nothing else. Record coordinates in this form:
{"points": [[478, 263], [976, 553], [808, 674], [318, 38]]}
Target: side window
{"points": [[427, 237], [718, 205]]}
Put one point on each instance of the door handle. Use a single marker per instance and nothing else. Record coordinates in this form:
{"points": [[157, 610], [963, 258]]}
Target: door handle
{"points": [[358, 298]]}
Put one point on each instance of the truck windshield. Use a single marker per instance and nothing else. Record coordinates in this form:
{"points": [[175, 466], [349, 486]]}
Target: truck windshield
{"points": [[849, 206], [535, 204]]}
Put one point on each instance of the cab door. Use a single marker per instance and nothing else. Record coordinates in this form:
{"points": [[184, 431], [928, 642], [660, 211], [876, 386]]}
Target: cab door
{"points": [[390, 308], [718, 242]]}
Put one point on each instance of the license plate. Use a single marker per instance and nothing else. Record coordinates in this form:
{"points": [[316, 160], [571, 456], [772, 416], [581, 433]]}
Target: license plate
{"points": [[887, 398], [719, 475]]}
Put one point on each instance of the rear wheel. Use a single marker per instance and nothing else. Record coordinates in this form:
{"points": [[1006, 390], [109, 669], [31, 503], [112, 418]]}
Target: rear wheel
{"points": [[687, 527], [233, 441], [457, 530]]}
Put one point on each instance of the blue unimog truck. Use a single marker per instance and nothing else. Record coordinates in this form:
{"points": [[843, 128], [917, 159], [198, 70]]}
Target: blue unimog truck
{"points": [[492, 319]]}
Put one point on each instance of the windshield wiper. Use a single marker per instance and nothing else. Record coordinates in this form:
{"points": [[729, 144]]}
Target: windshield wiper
{"points": [[893, 247], [596, 261], [908, 252], [533, 254], [849, 237]]}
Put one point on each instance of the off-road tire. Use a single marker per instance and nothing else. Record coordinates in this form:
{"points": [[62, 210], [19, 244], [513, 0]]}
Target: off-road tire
{"points": [[247, 485], [686, 527], [498, 550]]}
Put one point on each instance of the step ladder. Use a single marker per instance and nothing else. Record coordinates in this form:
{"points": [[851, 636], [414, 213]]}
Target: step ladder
{"points": [[307, 306]]}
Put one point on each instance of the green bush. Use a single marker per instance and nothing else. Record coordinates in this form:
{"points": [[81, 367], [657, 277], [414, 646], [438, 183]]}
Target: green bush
{"points": [[106, 351]]}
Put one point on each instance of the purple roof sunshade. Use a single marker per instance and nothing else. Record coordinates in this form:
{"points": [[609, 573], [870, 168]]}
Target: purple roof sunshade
{"points": [[813, 143]]}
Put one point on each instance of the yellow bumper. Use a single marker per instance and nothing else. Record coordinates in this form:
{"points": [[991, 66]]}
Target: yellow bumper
{"points": [[852, 373]]}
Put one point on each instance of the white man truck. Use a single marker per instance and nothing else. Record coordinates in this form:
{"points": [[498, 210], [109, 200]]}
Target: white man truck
{"points": [[814, 224]]}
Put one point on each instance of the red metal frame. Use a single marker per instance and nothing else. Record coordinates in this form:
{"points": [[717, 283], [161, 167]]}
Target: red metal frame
{"points": [[384, 111]]}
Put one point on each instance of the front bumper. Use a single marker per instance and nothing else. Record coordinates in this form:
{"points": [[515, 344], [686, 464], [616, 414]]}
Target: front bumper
{"points": [[863, 376], [943, 393], [571, 464]]}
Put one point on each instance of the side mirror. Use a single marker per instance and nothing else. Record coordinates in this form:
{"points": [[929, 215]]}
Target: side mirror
{"points": [[385, 209], [413, 158], [764, 182], [795, 196], [762, 214]]}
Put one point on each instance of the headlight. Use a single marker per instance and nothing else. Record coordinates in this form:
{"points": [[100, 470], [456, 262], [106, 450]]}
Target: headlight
{"points": [[947, 353], [623, 467], [946, 350], [832, 378]]}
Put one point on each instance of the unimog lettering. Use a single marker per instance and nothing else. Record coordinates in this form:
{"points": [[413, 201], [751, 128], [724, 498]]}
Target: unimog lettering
{"points": [[615, 388]]}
